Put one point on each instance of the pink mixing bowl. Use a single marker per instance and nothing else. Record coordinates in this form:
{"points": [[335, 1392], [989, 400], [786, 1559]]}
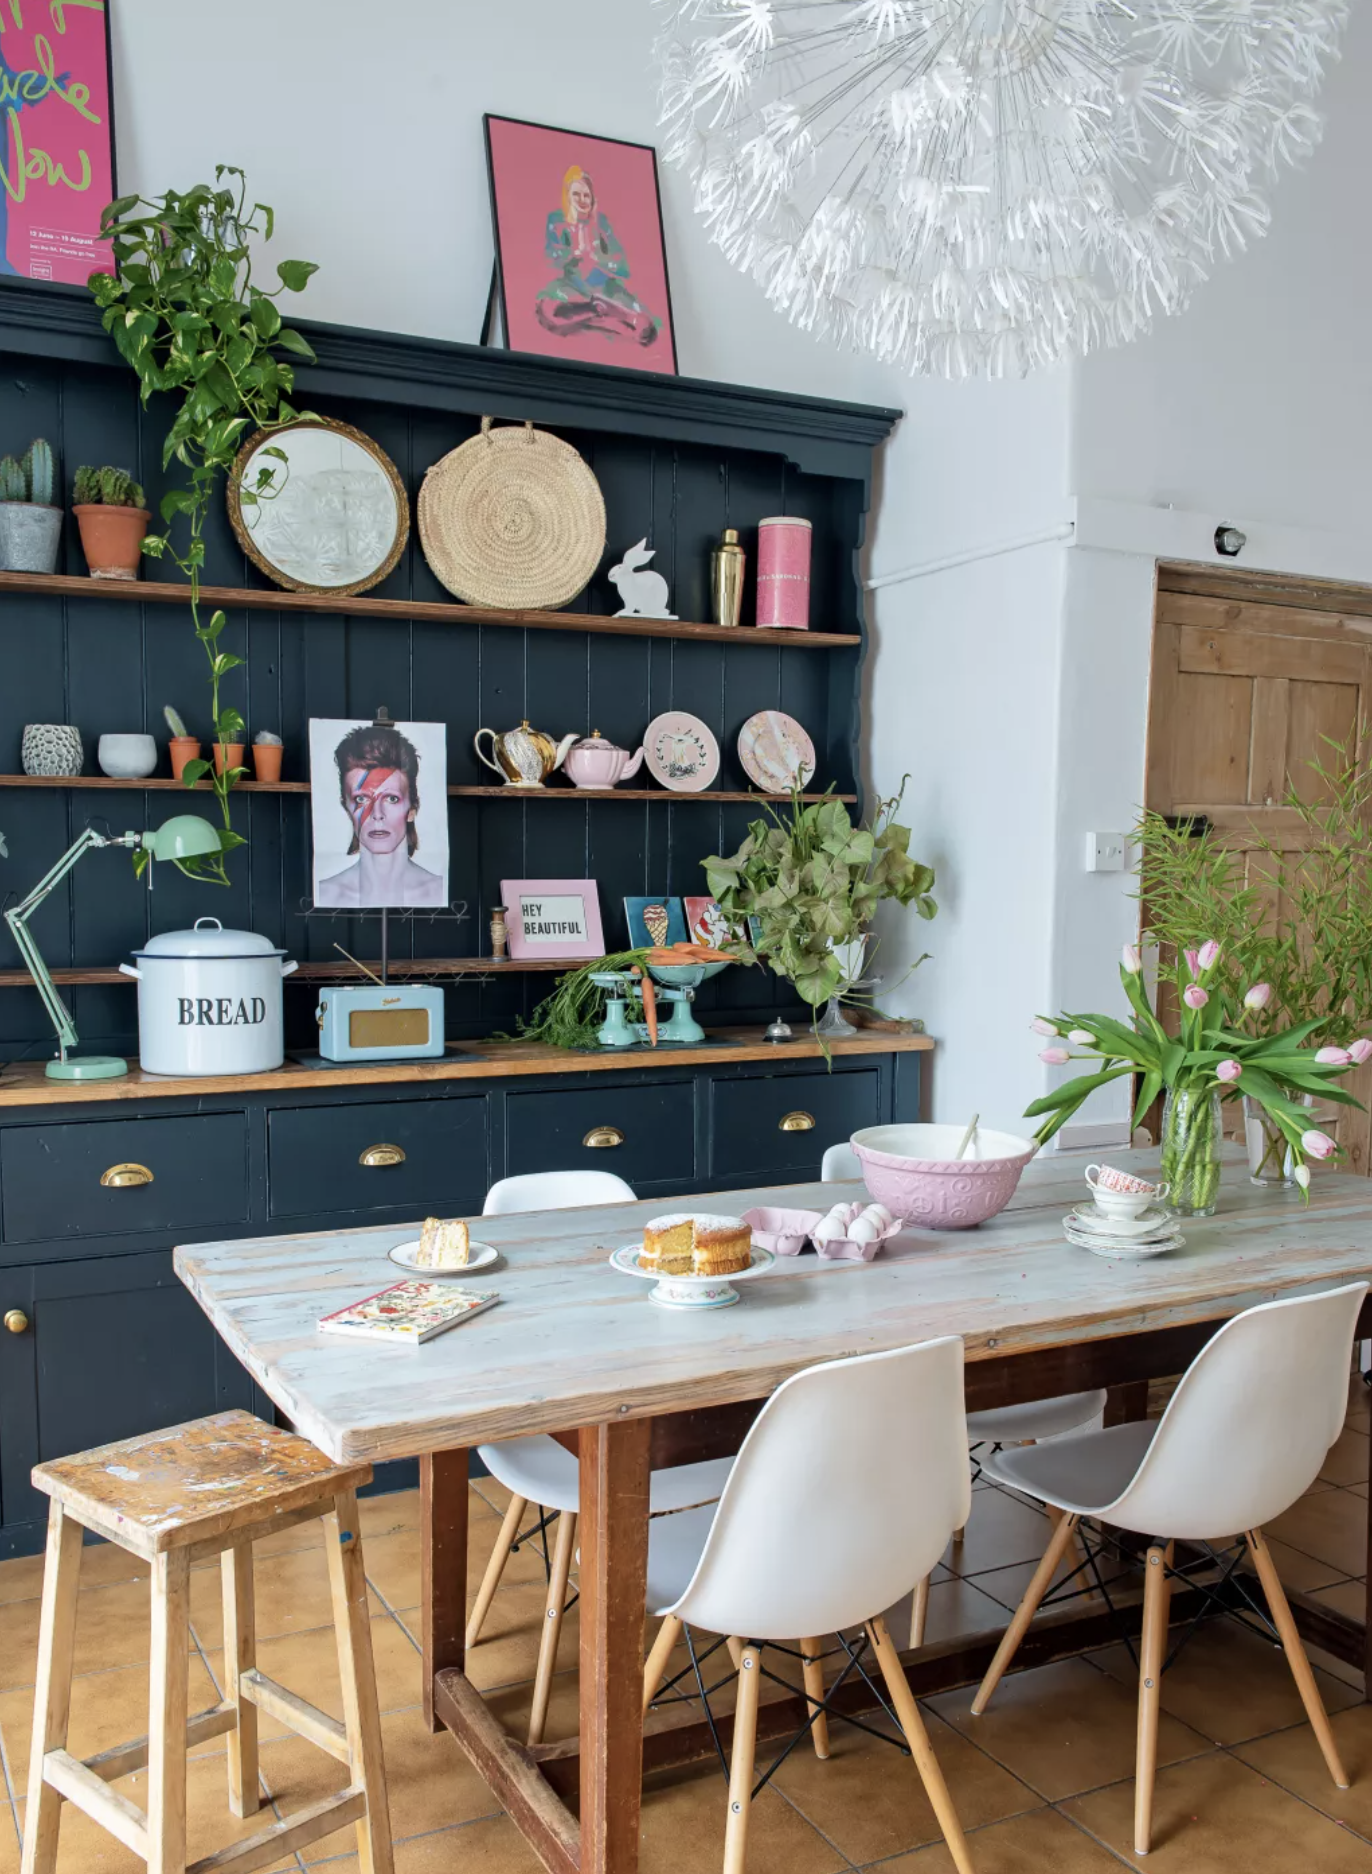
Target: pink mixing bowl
{"points": [[911, 1169]]}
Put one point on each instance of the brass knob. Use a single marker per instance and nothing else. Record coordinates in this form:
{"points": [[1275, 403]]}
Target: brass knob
{"points": [[17, 1321], [601, 1137], [118, 1177], [382, 1155], [797, 1122]]}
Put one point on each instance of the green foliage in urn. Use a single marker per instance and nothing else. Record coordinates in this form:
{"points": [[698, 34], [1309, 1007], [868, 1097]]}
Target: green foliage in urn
{"points": [[188, 316], [112, 487], [813, 881]]}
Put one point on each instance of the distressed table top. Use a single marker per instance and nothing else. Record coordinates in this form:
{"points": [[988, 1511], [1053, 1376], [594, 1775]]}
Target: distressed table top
{"points": [[573, 1342]]}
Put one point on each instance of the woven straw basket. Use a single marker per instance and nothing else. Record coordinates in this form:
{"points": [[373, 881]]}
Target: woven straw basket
{"points": [[513, 518]]}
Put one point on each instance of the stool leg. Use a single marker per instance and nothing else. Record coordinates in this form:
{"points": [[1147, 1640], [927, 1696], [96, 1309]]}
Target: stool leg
{"points": [[361, 1712], [240, 1653], [168, 1694], [52, 1693], [552, 1624]]}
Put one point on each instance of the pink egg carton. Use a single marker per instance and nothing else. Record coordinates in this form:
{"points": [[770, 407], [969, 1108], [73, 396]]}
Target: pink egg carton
{"points": [[786, 1232]]}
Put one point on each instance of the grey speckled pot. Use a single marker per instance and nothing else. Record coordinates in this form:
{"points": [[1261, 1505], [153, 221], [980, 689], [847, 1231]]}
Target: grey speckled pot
{"points": [[51, 748], [29, 535]]}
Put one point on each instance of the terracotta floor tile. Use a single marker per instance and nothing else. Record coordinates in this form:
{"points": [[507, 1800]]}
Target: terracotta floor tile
{"points": [[1007, 1585], [1063, 1728], [9, 1840], [1229, 1684], [1292, 1759], [1359, 1402], [1216, 1816], [684, 1816], [106, 1708], [957, 1607], [307, 1663], [397, 1509], [392, 1563], [291, 1592], [507, 1651], [1300, 1571], [1348, 1457], [1331, 1526], [21, 1578], [1026, 1844], [112, 1627], [1001, 1529], [1345, 1597]]}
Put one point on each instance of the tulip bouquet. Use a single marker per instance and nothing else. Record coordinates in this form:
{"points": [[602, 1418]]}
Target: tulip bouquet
{"points": [[1217, 1054]]}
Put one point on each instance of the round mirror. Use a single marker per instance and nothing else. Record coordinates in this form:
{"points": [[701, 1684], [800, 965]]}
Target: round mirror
{"points": [[319, 507]]}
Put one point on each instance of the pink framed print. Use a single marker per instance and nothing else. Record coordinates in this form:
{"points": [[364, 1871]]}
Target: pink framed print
{"points": [[580, 262], [553, 917]]}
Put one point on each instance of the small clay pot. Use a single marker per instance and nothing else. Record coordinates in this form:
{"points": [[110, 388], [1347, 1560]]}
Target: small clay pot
{"points": [[266, 760], [228, 755], [182, 748], [111, 538]]}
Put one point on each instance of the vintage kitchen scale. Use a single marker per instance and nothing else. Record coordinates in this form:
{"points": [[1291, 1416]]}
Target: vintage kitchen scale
{"points": [[626, 1025]]}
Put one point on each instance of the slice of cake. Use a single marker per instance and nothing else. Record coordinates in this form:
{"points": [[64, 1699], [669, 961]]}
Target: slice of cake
{"points": [[723, 1246], [443, 1244], [668, 1245]]}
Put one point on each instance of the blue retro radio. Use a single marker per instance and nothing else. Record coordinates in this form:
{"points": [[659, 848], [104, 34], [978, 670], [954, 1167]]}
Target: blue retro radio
{"points": [[381, 1022]]}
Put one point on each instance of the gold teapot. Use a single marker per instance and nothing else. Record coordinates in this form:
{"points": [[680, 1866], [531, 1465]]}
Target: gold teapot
{"points": [[522, 757]]}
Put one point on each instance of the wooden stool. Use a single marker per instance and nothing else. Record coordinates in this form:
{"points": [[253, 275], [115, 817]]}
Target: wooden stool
{"points": [[176, 1498]]}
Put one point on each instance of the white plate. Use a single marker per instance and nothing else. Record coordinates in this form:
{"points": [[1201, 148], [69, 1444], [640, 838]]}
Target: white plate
{"points": [[1116, 1249], [479, 1256], [1153, 1222], [680, 752], [687, 1291], [776, 753]]}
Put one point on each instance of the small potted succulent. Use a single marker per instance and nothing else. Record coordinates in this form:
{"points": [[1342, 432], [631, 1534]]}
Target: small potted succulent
{"points": [[109, 510], [267, 751], [183, 747], [30, 524]]}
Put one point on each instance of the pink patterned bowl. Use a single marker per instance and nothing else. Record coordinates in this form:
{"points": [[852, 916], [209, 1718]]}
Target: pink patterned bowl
{"points": [[911, 1169]]}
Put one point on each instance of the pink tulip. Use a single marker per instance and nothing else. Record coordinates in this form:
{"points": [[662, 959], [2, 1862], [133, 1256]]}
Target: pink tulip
{"points": [[1194, 996], [1228, 1071], [1042, 1027], [1130, 960], [1333, 1057], [1055, 1057], [1360, 1051], [1258, 996], [1317, 1144], [1209, 954], [1193, 962], [1081, 1037], [1302, 1176]]}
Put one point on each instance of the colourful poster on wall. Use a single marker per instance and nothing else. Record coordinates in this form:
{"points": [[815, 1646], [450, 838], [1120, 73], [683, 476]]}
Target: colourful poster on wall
{"points": [[58, 143]]}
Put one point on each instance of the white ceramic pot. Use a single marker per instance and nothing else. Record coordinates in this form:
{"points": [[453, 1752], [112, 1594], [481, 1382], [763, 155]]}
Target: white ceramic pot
{"points": [[126, 757], [209, 1001]]}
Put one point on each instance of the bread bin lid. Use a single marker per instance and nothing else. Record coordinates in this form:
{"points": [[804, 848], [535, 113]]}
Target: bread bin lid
{"points": [[208, 938]]}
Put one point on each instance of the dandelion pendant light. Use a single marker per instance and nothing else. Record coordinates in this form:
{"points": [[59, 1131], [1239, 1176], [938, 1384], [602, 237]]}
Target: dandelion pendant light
{"points": [[986, 186]]}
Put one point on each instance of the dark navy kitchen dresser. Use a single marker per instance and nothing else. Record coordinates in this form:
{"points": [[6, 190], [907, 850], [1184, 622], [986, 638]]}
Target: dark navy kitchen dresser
{"points": [[100, 1340]]}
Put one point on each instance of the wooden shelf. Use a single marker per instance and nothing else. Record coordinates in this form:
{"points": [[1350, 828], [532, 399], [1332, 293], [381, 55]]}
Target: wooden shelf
{"points": [[401, 611], [402, 970], [464, 793]]}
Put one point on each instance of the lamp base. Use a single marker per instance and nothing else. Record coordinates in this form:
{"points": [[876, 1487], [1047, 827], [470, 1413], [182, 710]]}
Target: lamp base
{"points": [[88, 1067]]}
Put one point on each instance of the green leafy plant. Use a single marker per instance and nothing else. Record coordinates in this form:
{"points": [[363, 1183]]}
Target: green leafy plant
{"points": [[571, 1016], [187, 315], [114, 487], [812, 881], [32, 479]]}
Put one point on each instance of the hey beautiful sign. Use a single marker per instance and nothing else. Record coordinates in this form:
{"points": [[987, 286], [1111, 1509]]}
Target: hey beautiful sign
{"points": [[57, 166]]}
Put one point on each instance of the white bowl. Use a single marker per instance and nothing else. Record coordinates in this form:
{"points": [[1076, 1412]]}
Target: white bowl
{"points": [[126, 757]]}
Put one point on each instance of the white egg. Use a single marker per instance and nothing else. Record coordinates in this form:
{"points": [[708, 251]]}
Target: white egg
{"points": [[863, 1230], [828, 1230], [880, 1214]]}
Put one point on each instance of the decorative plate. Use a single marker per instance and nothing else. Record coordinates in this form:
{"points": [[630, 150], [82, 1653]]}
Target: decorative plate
{"points": [[480, 1256], [775, 751], [1150, 1223], [681, 752], [1118, 1249], [687, 1291]]}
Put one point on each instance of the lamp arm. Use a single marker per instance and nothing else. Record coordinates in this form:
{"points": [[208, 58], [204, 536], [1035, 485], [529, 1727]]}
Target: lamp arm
{"points": [[17, 917]]}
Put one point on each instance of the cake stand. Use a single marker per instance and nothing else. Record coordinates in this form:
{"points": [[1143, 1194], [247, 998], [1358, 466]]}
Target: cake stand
{"points": [[688, 1291]]}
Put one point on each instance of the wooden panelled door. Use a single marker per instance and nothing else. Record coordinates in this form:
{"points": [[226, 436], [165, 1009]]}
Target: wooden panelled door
{"points": [[1252, 677]]}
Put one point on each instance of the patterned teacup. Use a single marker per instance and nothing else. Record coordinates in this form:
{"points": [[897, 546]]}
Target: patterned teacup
{"points": [[1119, 1194]]}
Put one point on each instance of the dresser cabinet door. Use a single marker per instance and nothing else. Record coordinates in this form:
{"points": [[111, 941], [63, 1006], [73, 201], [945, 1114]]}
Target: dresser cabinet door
{"points": [[415, 1157], [765, 1126], [645, 1134]]}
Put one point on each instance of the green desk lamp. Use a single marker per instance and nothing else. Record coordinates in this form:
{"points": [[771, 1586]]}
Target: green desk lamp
{"points": [[184, 836]]}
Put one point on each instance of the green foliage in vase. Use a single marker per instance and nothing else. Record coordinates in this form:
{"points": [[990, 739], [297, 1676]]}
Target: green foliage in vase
{"points": [[186, 313], [114, 487], [813, 881]]}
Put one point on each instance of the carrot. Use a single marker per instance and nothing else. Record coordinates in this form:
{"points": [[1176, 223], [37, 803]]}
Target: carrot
{"points": [[649, 995]]}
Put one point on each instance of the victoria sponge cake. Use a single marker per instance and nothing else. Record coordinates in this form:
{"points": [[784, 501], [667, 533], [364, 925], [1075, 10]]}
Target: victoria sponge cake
{"points": [[683, 1244]]}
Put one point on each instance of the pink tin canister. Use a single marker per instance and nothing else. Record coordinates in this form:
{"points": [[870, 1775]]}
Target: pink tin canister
{"points": [[783, 573]]}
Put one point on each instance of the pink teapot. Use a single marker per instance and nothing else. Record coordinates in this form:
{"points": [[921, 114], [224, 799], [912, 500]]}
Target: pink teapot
{"points": [[594, 762]]}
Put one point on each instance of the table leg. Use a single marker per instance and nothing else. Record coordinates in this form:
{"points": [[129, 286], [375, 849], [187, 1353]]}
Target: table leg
{"points": [[1367, 1591], [443, 1567], [614, 1561]]}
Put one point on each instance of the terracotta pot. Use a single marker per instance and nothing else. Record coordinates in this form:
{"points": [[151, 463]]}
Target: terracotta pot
{"points": [[266, 760], [182, 748], [111, 538], [228, 755]]}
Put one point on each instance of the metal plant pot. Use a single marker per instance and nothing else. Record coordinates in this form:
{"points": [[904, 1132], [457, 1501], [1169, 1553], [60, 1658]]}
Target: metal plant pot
{"points": [[29, 537]]}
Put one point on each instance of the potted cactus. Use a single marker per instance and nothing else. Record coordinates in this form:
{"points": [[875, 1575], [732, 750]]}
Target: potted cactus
{"points": [[30, 525], [109, 510]]}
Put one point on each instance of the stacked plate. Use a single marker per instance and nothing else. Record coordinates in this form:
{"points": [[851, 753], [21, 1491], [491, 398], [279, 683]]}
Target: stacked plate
{"points": [[1152, 1233]]}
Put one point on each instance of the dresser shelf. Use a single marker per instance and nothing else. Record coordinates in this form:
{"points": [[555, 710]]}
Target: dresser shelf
{"points": [[465, 793]]}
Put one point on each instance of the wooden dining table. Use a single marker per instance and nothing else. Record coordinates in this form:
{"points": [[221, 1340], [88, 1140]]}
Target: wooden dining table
{"points": [[578, 1350]]}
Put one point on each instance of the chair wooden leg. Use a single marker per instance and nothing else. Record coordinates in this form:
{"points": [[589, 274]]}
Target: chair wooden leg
{"points": [[1157, 1596], [1295, 1655], [495, 1568], [52, 1693], [168, 1694], [1024, 1613], [812, 1666], [735, 1651], [667, 1636], [911, 1723], [361, 1709], [553, 1611], [240, 1655], [741, 1759], [919, 1612]]}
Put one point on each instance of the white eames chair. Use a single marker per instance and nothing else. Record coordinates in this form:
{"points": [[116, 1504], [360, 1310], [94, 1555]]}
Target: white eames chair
{"points": [[540, 1471], [1242, 1438], [821, 1525]]}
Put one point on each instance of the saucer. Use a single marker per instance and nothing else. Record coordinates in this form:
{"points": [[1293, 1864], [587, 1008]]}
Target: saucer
{"points": [[1152, 1222], [1122, 1249], [481, 1256]]}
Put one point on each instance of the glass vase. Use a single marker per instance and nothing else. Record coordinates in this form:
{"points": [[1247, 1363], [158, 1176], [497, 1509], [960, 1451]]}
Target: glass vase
{"points": [[1270, 1164], [1191, 1138]]}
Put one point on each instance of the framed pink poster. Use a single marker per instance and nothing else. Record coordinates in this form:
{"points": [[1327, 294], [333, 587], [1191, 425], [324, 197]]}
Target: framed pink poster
{"points": [[56, 102], [553, 917], [580, 263]]}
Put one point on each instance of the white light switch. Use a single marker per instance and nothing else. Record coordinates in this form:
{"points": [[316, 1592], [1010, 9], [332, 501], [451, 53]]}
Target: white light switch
{"points": [[1105, 852]]}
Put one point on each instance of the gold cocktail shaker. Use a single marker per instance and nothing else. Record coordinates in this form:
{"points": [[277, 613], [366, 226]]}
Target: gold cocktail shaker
{"points": [[727, 564]]}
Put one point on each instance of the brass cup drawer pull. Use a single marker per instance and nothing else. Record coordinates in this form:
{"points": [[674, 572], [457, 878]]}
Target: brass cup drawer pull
{"points": [[17, 1321], [599, 1138], [382, 1155], [124, 1177], [796, 1122]]}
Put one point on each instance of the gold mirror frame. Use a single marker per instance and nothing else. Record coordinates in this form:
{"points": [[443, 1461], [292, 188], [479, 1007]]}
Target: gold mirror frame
{"points": [[243, 534]]}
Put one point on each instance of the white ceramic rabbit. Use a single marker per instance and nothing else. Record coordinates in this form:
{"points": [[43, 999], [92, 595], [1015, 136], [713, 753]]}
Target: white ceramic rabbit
{"points": [[644, 593]]}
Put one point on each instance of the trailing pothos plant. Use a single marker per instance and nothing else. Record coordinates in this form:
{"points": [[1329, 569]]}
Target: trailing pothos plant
{"points": [[801, 888], [187, 315]]}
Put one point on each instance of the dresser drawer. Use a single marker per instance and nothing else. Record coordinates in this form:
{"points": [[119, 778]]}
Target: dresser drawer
{"points": [[763, 1124], [340, 1158], [51, 1176], [648, 1132]]}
